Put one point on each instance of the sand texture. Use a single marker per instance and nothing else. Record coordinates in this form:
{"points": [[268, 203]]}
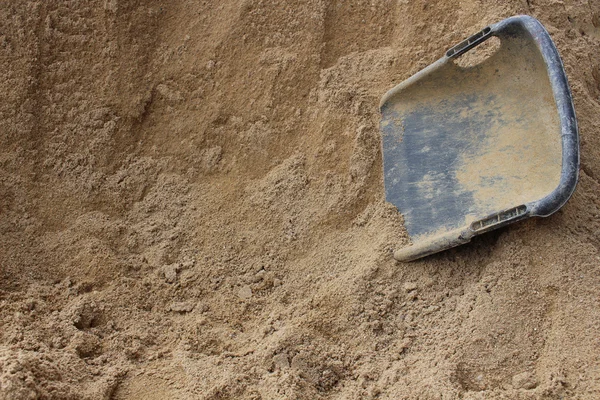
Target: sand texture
{"points": [[191, 207]]}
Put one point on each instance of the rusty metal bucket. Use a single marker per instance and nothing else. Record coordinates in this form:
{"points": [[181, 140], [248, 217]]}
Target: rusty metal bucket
{"points": [[470, 149]]}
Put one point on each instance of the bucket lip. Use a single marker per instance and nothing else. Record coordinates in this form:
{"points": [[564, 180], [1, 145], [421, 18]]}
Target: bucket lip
{"points": [[566, 111]]}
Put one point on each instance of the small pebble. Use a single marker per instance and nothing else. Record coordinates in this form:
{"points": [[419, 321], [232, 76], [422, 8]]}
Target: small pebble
{"points": [[281, 361], [409, 286], [170, 272], [181, 307], [245, 292], [524, 380]]}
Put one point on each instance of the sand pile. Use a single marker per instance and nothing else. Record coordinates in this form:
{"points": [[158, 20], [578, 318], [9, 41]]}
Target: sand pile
{"points": [[191, 207]]}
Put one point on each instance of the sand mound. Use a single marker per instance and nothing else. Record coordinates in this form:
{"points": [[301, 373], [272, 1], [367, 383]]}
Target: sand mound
{"points": [[191, 207]]}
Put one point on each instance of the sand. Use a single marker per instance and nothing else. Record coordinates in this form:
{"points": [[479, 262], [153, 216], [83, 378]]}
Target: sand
{"points": [[191, 207]]}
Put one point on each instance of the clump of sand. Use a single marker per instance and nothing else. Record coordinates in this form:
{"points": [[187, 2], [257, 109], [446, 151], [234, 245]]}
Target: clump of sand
{"points": [[191, 206]]}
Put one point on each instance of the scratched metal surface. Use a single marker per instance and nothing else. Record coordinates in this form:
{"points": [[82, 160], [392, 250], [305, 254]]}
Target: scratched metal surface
{"points": [[463, 143]]}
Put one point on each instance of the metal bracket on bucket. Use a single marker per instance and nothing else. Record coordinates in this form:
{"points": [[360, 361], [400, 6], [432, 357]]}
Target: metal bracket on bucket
{"points": [[470, 149]]}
